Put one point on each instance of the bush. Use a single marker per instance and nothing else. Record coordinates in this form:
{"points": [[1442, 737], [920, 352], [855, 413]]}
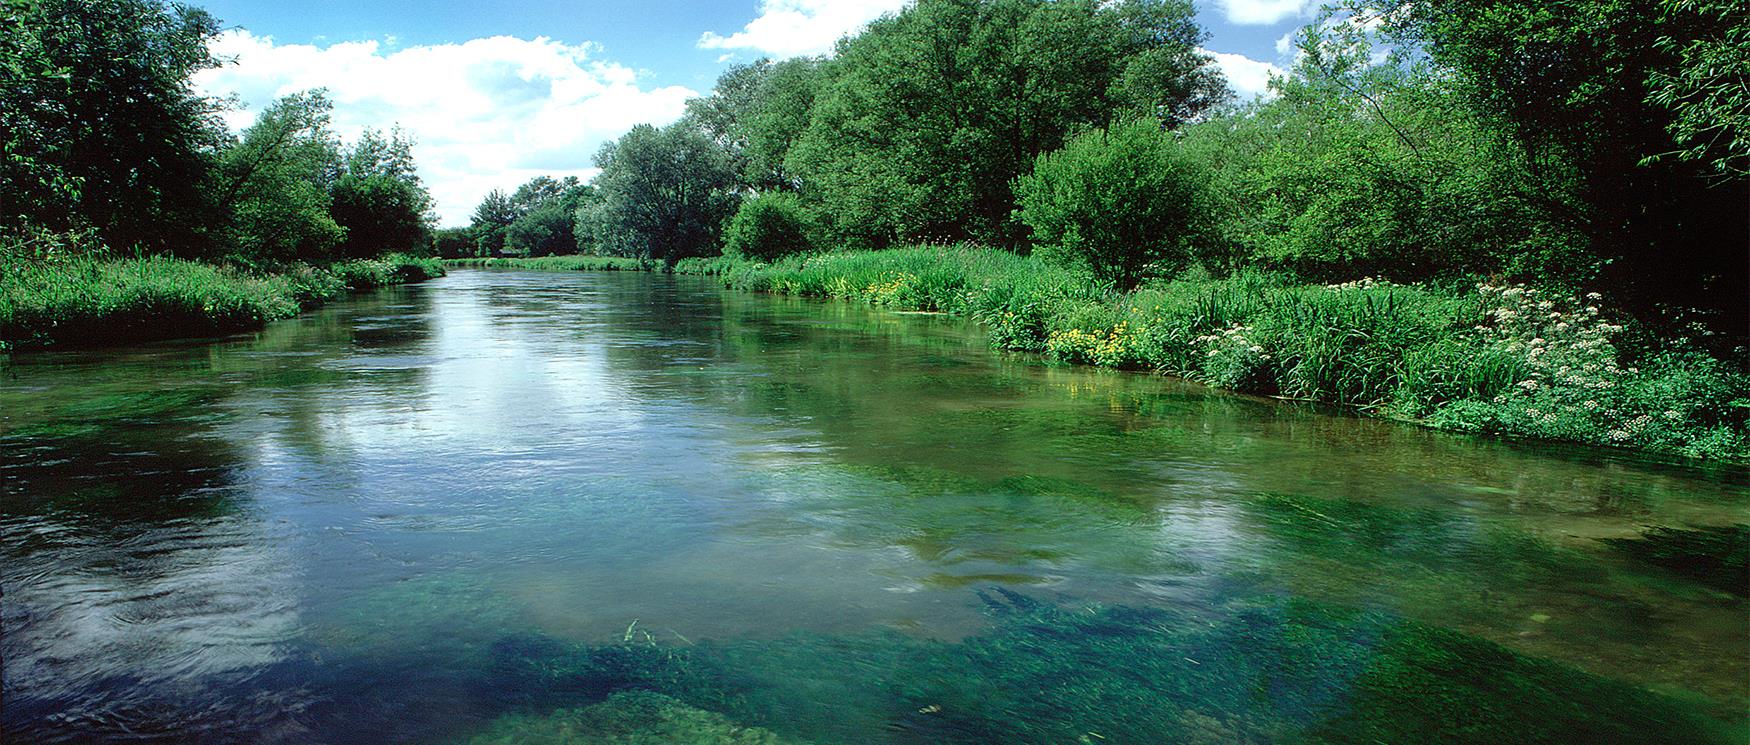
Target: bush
{"points": [[1497, 359], [768, 227], [1122, 202]]}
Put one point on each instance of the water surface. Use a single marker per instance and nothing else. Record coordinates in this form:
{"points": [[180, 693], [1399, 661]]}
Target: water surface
{"points": [[481, 506]]}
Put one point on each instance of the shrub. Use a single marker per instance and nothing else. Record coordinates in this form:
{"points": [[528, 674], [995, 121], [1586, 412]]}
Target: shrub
{"points": [[1120, 202], [768, 227]]}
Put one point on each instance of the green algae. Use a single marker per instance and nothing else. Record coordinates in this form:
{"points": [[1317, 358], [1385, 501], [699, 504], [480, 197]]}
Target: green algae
{"points": [[625, 718], [1262, 669]]}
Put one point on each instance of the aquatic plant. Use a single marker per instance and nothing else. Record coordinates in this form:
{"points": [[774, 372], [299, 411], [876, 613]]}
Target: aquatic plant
{"points": [[625, 718], [1719, 556], [1257, 669]]}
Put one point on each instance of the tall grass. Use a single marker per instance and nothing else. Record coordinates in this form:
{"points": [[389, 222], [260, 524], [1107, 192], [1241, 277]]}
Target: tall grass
{"points": [[90, 299], [1456, 359]]}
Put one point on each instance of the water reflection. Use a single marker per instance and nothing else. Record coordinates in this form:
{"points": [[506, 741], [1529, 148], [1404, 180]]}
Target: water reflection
{"points": [[330, 531]]}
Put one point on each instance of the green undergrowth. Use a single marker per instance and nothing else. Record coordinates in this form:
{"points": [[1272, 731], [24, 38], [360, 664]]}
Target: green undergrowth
{"points": [[1251, 670], [94, 300], [1490, 358], [573, 263]]}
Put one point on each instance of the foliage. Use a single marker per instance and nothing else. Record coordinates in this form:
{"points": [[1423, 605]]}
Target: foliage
{"points": [[1447, 358], [1706, 91], [1122, 202], [572, 263], [665, 194], [756, 112], [99, 125], [1572, 384], [768, 227], [380, 199], [89, 298], [492, 218], [546, 216], [275, 182], [1363, 166], [1593, 91], [452, 243], [923, 121]]}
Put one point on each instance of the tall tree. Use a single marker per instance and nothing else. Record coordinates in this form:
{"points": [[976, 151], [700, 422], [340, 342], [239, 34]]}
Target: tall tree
{"points": [[665, 193], [931, 114], [755, 114], [274, 182], [1597, 87], [96, 104], [380, 200], [491, 217]]}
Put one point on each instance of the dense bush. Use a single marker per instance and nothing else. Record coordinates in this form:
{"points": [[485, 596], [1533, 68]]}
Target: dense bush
{"points": [[1122, 202], [767, 227]]}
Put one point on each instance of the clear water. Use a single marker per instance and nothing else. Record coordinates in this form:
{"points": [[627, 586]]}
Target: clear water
{"points": [[414, 517]]}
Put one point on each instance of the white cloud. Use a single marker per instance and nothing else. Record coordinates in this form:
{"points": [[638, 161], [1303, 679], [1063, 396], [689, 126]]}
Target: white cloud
{"points": [[1249, 77], [1285, 45], [1263, 12], [787, 28], [488, 113]]}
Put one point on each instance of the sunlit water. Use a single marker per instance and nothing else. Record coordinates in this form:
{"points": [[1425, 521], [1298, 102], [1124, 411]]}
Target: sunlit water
{"points": [[370, 523]]}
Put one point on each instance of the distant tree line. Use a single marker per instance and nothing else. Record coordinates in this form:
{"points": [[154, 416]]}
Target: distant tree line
{"points": [[101, 132], [1577, 143]]}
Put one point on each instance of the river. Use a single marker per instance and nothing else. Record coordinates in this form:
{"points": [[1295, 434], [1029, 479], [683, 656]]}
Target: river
{"points": [[484, 505]]}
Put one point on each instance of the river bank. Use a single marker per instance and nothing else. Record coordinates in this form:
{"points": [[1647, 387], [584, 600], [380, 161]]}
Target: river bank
{"points": [[92, 300], [1497, 359]]}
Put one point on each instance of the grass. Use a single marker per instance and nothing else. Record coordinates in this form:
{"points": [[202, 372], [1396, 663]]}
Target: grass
{"points": [[1490, 359], [94, 300]]}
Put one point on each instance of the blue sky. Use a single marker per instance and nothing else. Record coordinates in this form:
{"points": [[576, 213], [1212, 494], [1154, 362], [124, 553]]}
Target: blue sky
{"points": [[495, 95]]}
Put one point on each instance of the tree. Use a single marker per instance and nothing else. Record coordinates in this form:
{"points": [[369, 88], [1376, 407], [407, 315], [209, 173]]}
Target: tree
{"points": [[1120, 202], [494, 214], [665, 193], [546, 210], [380, 200], [768, 227], [1597, 89], [1708, 91], [275, 181], [539, 191], [99, 124], [755, 114], [452, 243], [929, 116], [1368, 164]]}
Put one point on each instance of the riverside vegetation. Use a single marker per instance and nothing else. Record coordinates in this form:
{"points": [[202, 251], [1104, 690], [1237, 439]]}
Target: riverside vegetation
{"points": [[129, 212], [89, 299], [1492, 358], [1415, 223]]}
